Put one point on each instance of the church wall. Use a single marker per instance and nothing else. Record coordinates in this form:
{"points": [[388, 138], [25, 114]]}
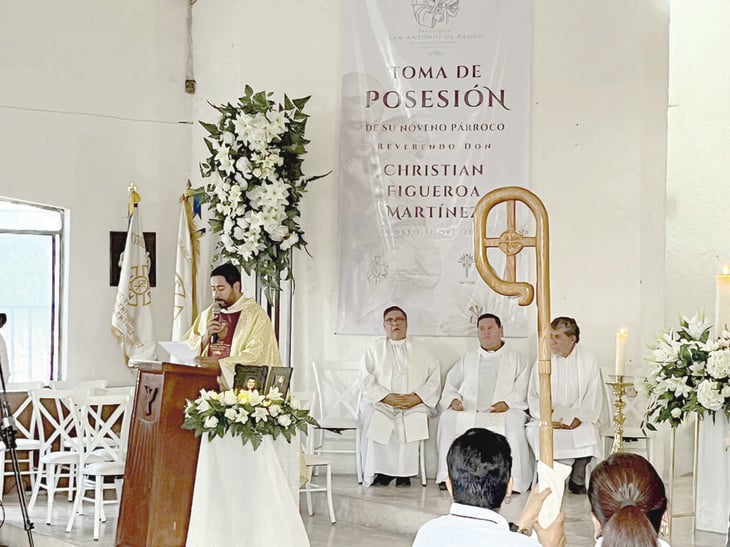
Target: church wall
{"points": [[92, 97], [598, 157]]}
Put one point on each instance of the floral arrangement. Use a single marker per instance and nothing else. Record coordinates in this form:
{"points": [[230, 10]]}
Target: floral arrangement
{"points": [[689, 372], [256, 183], [246, 414]]}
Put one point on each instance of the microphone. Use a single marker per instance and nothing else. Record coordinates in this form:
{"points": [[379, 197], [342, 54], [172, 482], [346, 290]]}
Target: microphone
{"points": [[216, 313]]}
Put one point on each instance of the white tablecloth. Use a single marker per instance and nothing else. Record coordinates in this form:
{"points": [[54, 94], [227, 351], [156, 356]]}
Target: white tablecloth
{"points": [[713, 476], [246, 497]]}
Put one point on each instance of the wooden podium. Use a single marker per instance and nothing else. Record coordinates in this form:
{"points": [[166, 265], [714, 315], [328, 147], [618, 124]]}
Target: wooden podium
{"points": [[162, 457]]}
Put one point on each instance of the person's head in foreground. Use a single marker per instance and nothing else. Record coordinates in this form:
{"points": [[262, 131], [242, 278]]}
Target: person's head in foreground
{"points": [[627, 501], [479, 464]]}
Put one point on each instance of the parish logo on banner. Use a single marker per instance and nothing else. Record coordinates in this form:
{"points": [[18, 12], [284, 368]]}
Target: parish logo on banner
{"points": [[132, 322], [435, 114]]}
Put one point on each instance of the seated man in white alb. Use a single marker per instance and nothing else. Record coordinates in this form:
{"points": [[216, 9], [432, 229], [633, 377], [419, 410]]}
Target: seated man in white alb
{"points": [[400, 386], [577, 400], [491, 380]]}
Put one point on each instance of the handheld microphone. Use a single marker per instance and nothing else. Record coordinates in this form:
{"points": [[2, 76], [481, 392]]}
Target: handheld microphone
{"points": [[216, 313]]}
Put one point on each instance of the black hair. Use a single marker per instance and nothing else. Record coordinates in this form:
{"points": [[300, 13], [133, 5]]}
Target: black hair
{"points": [[229, 272], [490, 316], [479, 464]]}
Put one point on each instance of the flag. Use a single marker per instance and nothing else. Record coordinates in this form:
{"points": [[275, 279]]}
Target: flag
{"points": [[132, 318], [185, 305]]}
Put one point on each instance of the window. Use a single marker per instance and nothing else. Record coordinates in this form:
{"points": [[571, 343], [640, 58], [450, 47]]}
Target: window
{"points": [[31, 258]]}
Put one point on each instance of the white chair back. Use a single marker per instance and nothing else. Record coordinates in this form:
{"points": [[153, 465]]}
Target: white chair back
{"points": [[103, 423], [24, 411], [79, 384], [59, 423], [337, 394]]}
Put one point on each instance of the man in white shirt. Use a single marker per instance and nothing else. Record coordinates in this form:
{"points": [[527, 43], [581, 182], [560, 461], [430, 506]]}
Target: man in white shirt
{"points": [[488, 388], [400, 386], [479, 464], [577, 400]]}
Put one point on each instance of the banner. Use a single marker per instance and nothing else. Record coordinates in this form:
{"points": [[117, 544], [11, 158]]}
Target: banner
{"points": [[132, 318], [185, 305], [435, 114]]}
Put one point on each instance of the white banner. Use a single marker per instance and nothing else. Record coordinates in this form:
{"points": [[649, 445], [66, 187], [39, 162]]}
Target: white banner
{"points": [[435, 114], [132, 318], [185, 310]]}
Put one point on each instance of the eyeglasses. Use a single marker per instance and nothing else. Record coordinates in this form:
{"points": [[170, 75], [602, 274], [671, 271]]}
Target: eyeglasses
{"points": [[394, 320]]}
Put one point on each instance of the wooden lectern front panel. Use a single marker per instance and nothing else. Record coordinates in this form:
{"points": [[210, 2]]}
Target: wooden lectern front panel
{"points": [[162, 457]]}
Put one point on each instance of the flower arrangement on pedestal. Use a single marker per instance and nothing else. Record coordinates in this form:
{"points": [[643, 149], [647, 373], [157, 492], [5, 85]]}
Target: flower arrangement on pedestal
{"points": [[246, 414], [256, 183], [689, 373]]}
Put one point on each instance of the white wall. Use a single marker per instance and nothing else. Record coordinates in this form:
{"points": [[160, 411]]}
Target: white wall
{"points": [[598, 152], [598, 157], [92, 97]]}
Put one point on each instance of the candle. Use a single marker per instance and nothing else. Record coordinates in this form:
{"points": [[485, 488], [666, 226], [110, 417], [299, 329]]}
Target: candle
{"points": [[722, 299], [621, 337]]}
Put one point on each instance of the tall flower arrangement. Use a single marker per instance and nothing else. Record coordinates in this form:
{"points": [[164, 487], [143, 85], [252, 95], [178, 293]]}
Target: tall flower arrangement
{"points": [[689, 373], [256, 183]]}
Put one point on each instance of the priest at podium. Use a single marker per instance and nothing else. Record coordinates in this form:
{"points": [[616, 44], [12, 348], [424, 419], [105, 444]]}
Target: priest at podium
{"points": [[234, 329]]}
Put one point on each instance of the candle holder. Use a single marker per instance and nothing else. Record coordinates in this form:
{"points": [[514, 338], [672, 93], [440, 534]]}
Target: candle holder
{"points": [[618, 386]]}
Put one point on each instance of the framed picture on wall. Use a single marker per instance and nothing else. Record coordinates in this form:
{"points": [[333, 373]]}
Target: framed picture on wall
{"points": [[117, 241]]}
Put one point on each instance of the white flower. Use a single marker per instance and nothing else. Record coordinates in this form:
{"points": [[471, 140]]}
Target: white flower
{"points": [[223, 158], [676, 412], [718, 364], [203, 406], [254, 398], [679, 386], [294, 403], [228, 138], [289, 242], [274, 394], [229, 398], [284, 420], [260, 414], [230, 414], [243, 166], [242, 415], [210, 422], [697, 368], [696, 325], [274, 410], [708, 396], [725, 392]]}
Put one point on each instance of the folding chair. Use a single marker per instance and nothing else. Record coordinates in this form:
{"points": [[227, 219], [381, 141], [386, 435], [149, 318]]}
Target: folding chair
{"points": [[335, 403], [103, 422]]}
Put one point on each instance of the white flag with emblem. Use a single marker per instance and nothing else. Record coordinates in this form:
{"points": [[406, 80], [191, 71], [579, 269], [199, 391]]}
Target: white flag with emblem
{"points": [[132, 318], [184, 310]]}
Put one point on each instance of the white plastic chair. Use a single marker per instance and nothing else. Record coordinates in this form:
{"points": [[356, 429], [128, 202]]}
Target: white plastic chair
{"points": [[103, 421], [335, 404], [56, 417], [313, 462], [27, 441]]}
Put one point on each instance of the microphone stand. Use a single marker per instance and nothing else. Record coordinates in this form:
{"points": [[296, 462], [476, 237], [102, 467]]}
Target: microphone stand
{"points": [[8, 434]]}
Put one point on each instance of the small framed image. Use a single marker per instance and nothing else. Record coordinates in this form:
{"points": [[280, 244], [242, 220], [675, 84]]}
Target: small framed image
{"points": [[280, 378], [250, 377], [117, 240]]}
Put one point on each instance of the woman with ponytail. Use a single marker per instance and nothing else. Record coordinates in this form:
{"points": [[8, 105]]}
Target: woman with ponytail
{"points": [[627, 501]]}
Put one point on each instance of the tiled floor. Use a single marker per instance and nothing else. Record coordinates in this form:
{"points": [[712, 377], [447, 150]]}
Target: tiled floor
{"points": [[392, 516]]}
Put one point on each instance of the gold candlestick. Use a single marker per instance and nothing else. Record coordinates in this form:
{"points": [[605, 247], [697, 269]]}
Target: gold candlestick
{"points": [[619, 390]]}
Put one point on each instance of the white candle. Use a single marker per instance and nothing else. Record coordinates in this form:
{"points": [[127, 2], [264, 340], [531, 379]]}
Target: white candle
{"points": [[722, 300], [621, 337]]}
